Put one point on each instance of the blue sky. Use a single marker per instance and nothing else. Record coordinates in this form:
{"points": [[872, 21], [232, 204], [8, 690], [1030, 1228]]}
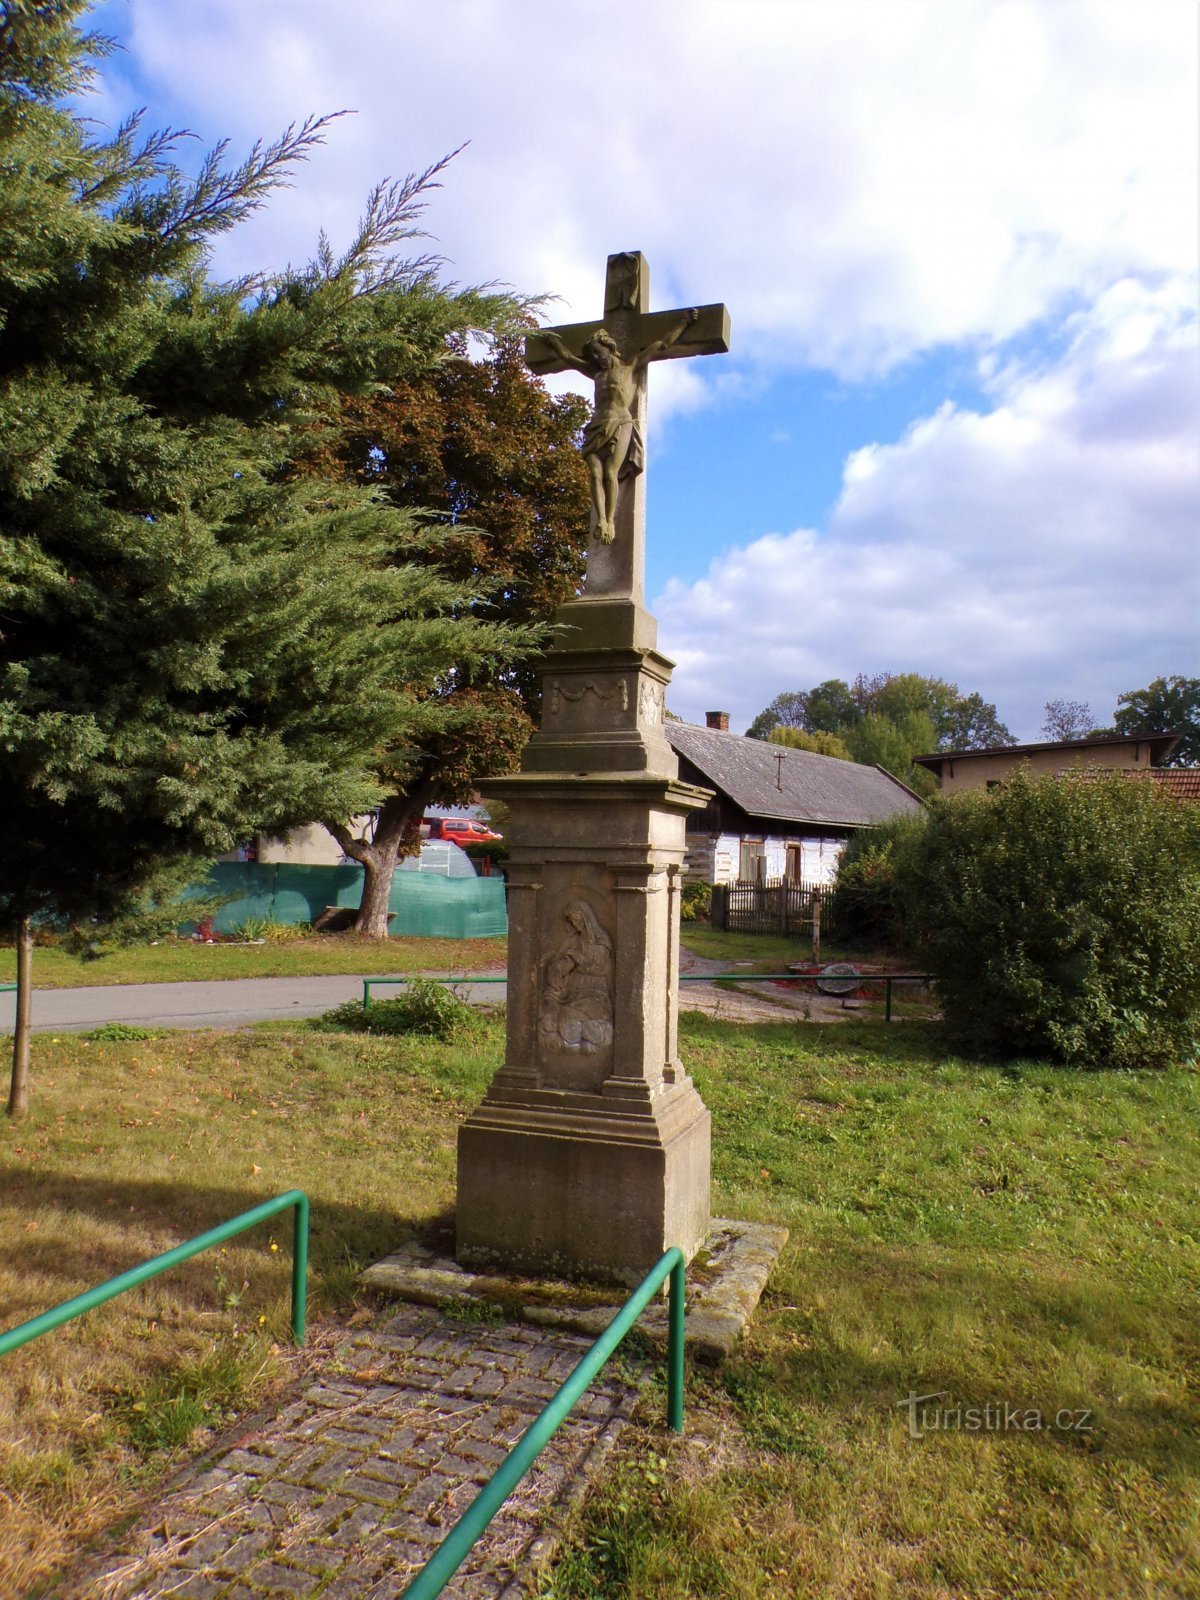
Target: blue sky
{"points": [[958, 431], [789, 441]]}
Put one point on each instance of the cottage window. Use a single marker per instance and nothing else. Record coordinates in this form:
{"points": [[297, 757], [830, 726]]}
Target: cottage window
{"points": [[753, 864]]}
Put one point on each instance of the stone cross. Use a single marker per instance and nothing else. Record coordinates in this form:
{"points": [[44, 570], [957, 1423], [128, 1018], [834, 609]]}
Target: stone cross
{"points": [[590, 1153], [615, 353]]}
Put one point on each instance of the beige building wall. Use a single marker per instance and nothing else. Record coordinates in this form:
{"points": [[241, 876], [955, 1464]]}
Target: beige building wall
{"points": [[975, 770], [310, 846]]}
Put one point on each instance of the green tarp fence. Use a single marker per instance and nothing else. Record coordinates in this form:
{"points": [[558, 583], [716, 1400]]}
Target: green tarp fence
{"points": [[426, 905]]}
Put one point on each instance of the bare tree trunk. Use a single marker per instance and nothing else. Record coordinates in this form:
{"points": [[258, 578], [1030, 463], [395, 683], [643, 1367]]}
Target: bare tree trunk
{"points": [[18, 1094], [398, 829], [378, 866]]}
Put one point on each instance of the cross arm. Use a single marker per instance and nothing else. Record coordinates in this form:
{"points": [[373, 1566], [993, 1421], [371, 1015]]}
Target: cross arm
{"points": [[707, 336]]}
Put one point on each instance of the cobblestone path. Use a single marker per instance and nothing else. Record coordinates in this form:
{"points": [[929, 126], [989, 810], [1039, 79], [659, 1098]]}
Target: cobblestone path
{"points": [[353, 1485]]}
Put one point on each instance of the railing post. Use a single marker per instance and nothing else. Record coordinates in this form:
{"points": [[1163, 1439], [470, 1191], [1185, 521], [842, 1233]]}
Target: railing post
{"points": [[300, 1268], [887, 999], [675, 1350]]}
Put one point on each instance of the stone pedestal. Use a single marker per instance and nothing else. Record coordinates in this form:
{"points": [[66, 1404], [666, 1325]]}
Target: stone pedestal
{"points": [[590, 1153]]}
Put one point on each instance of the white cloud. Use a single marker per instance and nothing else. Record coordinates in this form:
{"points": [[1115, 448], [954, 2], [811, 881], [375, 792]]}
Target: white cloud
{"points": [[859, 180], [1045, 548]]}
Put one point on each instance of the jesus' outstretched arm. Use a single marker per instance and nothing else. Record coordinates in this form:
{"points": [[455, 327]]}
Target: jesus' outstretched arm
{"points": [[563, 354], [643, 359]]}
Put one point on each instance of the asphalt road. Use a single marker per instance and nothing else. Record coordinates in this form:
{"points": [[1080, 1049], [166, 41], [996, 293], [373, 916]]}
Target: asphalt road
{"points": [[228, 1004], [234, 1002]]}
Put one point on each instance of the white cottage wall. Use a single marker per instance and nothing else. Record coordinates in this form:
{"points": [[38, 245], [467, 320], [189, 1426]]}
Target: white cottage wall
{"points": [[776, 854], [819, 857], [725, 858]]}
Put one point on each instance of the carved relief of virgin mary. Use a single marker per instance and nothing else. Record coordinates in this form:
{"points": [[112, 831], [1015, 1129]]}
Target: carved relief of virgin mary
{"points": [[576, 1016]]}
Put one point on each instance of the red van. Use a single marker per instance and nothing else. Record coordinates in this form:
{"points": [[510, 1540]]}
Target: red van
{"points": [[459, 830]]}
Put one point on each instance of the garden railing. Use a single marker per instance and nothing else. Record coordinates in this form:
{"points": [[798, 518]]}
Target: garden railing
{"points": [[458, 1543], [91, 1298], [837, 982]]}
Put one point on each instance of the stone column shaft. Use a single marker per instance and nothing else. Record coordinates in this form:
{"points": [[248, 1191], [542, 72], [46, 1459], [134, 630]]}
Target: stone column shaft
{"points": [[590, 1153]]}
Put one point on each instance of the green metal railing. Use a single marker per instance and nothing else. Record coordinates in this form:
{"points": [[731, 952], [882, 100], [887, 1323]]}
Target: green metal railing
{"points": [[885, 978], [456, 1546], [91, 1298], [5, 987], [374, 983], [846, 981], [739, 977], [900, 977]]}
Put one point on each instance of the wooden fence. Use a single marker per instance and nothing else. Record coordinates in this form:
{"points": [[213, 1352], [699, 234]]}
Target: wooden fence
{"points": [[776, 906]]}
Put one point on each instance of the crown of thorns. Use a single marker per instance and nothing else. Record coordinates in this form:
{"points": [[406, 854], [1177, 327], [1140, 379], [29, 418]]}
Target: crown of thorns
{"points": [[603, 337]]}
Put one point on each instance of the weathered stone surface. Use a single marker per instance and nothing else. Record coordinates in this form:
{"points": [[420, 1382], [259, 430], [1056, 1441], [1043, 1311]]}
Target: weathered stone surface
{"points": [[577, 1204], [591, 1152], [724, 1284]]}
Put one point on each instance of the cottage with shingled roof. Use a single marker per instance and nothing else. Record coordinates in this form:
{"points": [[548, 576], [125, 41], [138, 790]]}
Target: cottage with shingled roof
{"points": [[776, 813]]}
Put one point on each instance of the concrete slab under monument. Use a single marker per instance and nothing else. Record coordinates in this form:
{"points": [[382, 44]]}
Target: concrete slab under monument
{"points": [[725, 1281]]}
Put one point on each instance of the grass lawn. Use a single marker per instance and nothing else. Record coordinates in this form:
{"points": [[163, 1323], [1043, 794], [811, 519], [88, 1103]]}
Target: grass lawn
{"points": [[186, 960], [132, 1148], [763, 952], [1027, 1236], [1021, 1236]]}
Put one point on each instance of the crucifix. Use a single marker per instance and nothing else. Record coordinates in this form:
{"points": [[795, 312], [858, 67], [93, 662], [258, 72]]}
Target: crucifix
{"points": [[591, 1150], [615, 353]]}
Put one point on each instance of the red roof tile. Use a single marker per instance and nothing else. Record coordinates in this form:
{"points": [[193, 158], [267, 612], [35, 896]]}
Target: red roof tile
{"points": [[1181, 783]]}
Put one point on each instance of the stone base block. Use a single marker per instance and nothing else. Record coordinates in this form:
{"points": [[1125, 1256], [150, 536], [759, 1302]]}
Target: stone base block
{"points": [[724, 1282], [571, 1195]]}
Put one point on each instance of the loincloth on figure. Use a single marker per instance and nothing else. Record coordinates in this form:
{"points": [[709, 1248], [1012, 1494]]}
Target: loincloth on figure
{"points": [[602, 435]]}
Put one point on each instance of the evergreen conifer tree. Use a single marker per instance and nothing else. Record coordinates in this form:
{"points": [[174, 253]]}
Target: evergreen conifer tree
{"points": [[198, 640]]}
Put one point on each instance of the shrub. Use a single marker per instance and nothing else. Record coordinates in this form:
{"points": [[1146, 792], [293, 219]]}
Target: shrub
{"points": [[271, 931], [486, 850], [124, 1032], [695, 902], [1061, 918], [865, 910], [424, 1006]]}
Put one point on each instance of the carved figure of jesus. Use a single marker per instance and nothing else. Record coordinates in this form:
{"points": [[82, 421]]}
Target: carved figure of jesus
{"points": [[613, 446]]}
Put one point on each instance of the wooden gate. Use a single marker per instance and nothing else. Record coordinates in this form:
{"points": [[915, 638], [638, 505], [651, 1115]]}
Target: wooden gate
{"points": [[778, 906]]}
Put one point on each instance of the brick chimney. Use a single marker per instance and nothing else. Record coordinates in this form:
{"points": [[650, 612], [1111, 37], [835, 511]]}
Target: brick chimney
{"points": [[718, 720]]}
